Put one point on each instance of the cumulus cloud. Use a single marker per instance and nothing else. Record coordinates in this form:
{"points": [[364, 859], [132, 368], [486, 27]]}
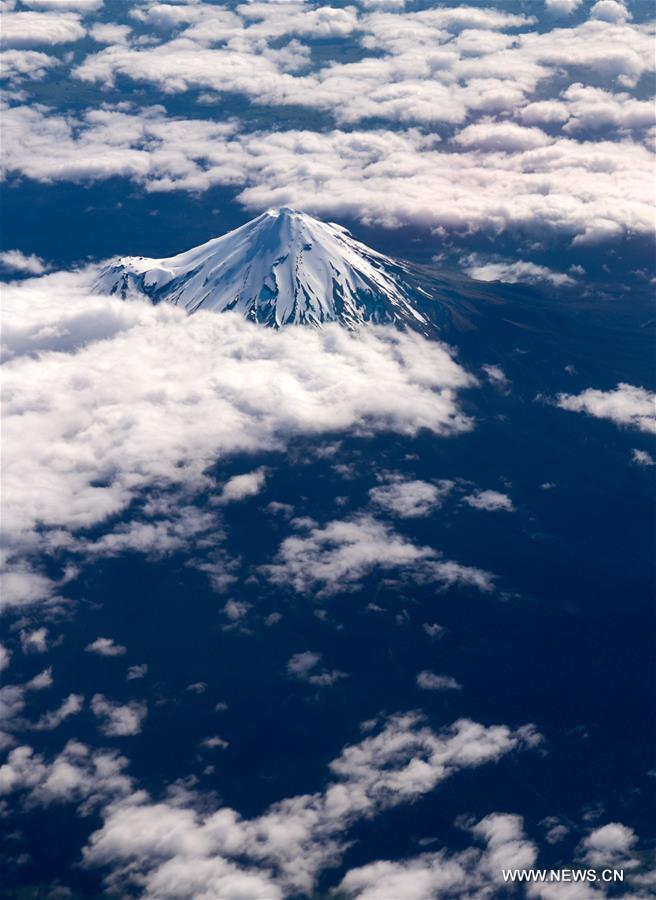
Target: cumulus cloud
{"points": [[77, 775], [168, 526], [118, 720], [214, 743], [336, 558], [35, 29], [496, 376], [18, 65], [478, 871], [183, 852], [410, 498], [81, 6], [13, 699], [591, 190], [610, 846], [518, 272], [642, 457], [429, 681], [225, 386], [17, 261], [470, 64], [35, 641], [467, 873], [610, 11], [433, 630], [71, 706], [103, 646], [5, 658], [627, 405], [239, 487], [562, 7], [504, 136], [592, 108], [138, 671], [382, 4], [491, 501], [234, 610], [109, 33], [301, 663], [498, 101], [20, 586], [305, 666]]}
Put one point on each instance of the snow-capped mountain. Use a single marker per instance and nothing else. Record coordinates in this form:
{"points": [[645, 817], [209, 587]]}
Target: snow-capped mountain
{"points": [[283, 267]]}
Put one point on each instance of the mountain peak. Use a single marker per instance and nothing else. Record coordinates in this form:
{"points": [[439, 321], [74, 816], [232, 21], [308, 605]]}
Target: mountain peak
{"points": [[283, 267]]}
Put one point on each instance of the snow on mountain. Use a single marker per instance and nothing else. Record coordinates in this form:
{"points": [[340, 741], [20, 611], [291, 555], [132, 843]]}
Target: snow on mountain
{"points": [[283, 267]]}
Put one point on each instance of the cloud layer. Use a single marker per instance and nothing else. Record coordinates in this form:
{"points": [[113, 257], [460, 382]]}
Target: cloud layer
{"points": [[458, 119], [147, 398], [175, 850]]}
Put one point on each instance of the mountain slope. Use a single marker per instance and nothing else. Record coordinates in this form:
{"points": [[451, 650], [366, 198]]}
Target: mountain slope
{"points": [[283, 267]]}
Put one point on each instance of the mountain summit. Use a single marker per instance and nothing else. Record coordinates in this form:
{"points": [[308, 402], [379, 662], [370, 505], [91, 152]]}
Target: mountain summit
{"points": [[283, 267]]}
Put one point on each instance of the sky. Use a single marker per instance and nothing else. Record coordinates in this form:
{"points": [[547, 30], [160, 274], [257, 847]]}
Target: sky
{"points": [[320, 613]]}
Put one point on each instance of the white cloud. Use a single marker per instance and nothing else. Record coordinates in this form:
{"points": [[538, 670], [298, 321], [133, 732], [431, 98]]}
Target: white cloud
{"points": [[235, 610], [301, 663], [35, 641], [594, 109], [544, 112], [239, 487], [187, 853], [41, 681], [518, 272], [19, 586], [469, 65], [562, 7], [506, 137], [103, 646], [81, 6], [336, 557], [16, 65], [410, 498], [35, 29], [109, 33], [139, 671], [305, 667], [474, 68], [386, 177], [169, 526], [71, 706], [5, 658], [610, 846], [642, 457], [491, 501], [13, 698], [496, 376], [627, 405], [433, 630], [592, 190], [382, 4], [610, 11], [118, 720], [429, 681], [17, 261], [214, 743], [82, 454], [76, 775], [463, 874]]}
